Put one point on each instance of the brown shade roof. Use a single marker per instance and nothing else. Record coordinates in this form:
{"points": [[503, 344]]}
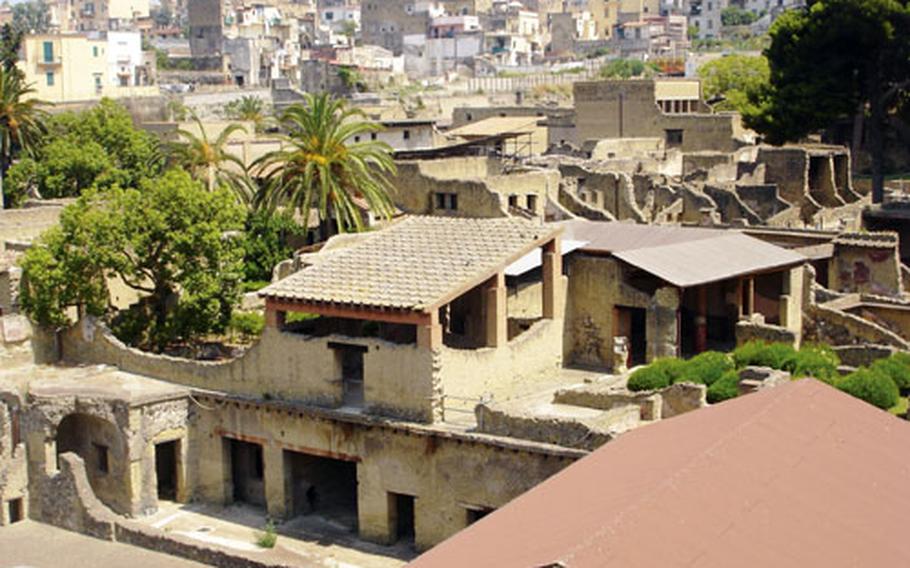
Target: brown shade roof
{"points": [[415, 264], [682, 256], [798, 475]]}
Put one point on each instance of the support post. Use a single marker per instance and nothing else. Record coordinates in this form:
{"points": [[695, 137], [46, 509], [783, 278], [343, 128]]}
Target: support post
{"points": [[275, 484], [750, 296], [274, 318], [429, 335], [497, 328], [552, 272], [701, 321]]}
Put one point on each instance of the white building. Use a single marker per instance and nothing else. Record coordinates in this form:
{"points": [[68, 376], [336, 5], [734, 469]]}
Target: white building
{"points": [[124, 56]]}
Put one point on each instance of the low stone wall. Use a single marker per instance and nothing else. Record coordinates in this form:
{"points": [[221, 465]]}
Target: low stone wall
{"points": [[836, 327], [581, 433], [754, 331], [863, 355], [65, 499], [608, 397], [752, 379], [681, 398]]}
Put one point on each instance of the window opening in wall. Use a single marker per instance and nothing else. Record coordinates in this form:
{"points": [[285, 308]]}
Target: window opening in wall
{"points": [[406, 134], [349, 359], [446, 201], [317, 485], [674, 137], [15, 510], [474, 513], [531, 201], [513, 201], [101, 457]]}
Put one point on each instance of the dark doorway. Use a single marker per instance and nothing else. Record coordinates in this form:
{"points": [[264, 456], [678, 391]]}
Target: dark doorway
{"points": [[15, 510], [631, 324], [401, 512], [166, 469], [247, 472], [322, 486], [474, 514], [350, 361]]}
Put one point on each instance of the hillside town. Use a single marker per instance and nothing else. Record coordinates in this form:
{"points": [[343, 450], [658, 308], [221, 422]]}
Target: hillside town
{"points": [[527, 283]]}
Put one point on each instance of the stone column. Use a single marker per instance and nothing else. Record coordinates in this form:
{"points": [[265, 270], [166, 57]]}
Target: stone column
{"points": [[429, 335], [275, 494], [701, 320], [496, 319], [373, 512], [750, 296], [552, 271]]}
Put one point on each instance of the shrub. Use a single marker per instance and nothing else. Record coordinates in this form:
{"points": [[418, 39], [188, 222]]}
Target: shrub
{"points": [[759, 353], [705, 368], [672, 367], [267, 538], [648, 378], [248, 325], [817, 361], [873, 386], [893, 367], [724, 388]]}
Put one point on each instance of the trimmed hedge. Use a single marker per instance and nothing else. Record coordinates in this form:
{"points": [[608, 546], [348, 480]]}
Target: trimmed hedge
{"points": [[761, 354], [724, 388], [870, 385], [648, 378], [819, 361], [893, 367], [706, 368]]}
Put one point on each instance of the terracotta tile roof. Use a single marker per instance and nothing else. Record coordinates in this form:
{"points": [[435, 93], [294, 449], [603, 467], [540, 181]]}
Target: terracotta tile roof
{"points": [[793, 476], [880, 239], [415, 263]]}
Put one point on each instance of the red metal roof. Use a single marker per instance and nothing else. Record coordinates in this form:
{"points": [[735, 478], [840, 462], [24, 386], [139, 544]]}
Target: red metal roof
{"points": [[799, 475]]}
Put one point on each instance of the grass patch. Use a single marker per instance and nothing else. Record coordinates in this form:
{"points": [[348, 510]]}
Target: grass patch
{"points": [[268, 537]]}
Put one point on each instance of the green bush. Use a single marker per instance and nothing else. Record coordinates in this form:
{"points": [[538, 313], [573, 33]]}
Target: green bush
{"points": [[761, 354], [817, 361], [705, 368], [873, 386], [248, 325], [648, 378], [672, 367], [268, 537], [893, 367], [724, 388]]}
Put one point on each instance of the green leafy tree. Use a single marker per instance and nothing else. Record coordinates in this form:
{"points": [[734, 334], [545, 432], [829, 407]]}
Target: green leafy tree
{"points": [[626, 69], [209, 161], [10, 43], [319, 167], [97, 147], [736, 16], [21, 121], [247, 108], [268, 242], [828, 62], [170, 240], [739, 79], [352, 79], [33, 17]]}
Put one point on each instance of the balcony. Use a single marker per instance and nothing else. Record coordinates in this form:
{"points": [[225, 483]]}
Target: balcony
{"points": [[50, 61]]}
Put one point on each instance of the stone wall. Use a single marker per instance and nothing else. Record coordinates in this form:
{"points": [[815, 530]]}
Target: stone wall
{"points": [[67, 501], [437, 466], [281, 365], [866, 263], [836, 327], [13, 463], [747, 330], [587, 433]]}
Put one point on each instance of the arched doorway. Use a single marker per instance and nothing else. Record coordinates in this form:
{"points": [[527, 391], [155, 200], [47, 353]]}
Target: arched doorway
{"points": [[102, 447]]}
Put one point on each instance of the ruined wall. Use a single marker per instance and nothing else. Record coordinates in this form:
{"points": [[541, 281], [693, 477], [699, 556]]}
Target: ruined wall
{"points": [[282, 365], [587, 432], [27, 223], [470, 373], [596, 287], [836, 327], [13, 464], [438, 468], [415, 191], [866, 263]]}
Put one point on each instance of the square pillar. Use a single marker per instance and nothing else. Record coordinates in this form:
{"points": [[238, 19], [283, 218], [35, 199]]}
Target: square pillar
{"points": [[552, 273], [750, 296], [496, 318], [274, 318], [429, 334], [275, 493]]}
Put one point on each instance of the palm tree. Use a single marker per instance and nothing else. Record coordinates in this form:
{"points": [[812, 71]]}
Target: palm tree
{"points": [[22, 121], [247, 108], [210, 162], [318, 165]]}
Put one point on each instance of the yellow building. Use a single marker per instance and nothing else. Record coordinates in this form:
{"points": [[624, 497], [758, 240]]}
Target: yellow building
{"points": [[73, 67]]}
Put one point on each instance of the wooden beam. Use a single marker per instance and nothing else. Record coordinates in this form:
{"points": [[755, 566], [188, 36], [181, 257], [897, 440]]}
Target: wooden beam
{"points": [[350, 312]]}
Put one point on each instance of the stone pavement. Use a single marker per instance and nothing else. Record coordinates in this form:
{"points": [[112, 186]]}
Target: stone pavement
{"points": [[34, 545]]}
